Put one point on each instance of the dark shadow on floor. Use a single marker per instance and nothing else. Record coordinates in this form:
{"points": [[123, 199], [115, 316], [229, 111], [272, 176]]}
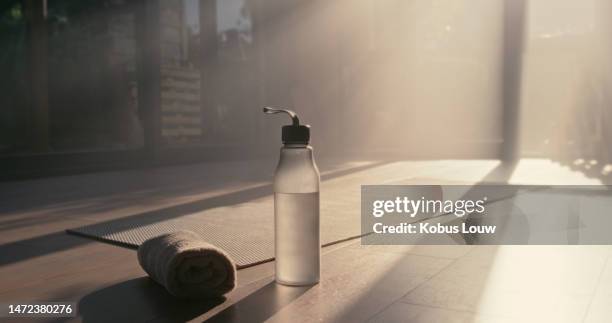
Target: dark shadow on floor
{"points": [[39, 246], [260, 305], [500, 175], [140, 300]]}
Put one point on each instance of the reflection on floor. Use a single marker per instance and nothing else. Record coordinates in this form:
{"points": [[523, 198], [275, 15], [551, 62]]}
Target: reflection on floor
{"points": [[359, 283]]}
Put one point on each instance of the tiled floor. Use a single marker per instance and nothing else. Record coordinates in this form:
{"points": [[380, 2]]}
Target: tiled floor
{"points": [[38, 261]]}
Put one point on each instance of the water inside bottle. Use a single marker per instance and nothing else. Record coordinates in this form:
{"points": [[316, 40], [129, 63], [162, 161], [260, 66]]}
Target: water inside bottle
{"points": [[297, 240]]}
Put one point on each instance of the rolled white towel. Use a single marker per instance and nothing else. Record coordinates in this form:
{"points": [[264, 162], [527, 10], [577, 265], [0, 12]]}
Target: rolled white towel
{"points": [[187, 266]]}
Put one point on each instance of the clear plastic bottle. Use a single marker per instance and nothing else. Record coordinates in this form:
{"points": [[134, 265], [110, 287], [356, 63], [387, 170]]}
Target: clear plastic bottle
{"points": [[296, 208]]}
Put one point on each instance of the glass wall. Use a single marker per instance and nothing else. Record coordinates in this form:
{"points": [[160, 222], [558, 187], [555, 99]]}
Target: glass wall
{"points": [[207, 72], [92, 71], [13, 66], [181, 79], [567, 99], [421, 78], [410, 78], [428, 75], [233, 114], [70, 68]]}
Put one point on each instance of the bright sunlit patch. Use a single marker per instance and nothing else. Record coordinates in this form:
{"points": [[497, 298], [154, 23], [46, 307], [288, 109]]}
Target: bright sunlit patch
{"points": [[431, 171], [547, 283], [547, 172]]}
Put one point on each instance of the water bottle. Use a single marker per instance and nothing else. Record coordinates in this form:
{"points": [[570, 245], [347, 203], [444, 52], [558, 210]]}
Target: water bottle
{"points": [[296, 207]]}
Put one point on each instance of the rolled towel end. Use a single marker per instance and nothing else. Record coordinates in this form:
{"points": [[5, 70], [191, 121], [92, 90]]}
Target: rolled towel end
{"points": [[187, 266]]}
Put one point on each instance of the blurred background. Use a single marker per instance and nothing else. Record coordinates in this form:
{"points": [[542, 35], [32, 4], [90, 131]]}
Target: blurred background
{"points": [[90, 85]]}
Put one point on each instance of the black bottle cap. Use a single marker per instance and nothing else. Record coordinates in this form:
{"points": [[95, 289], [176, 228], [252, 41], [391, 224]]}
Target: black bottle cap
{"points": [[294, 133]]}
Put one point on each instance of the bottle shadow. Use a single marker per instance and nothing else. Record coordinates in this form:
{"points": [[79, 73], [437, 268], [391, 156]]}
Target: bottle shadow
{"points": [[261, 304]]}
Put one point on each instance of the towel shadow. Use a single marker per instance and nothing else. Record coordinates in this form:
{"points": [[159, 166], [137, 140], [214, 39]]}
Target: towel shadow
{"points": [[260, 305], [140, 300]]}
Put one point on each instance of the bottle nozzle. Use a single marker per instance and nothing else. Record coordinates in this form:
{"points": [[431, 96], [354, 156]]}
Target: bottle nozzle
{"points": [[295, 133], [293, 115]]}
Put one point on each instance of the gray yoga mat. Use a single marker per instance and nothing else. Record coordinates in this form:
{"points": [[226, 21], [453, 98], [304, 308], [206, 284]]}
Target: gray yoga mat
{"points": [[245, 231]]}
